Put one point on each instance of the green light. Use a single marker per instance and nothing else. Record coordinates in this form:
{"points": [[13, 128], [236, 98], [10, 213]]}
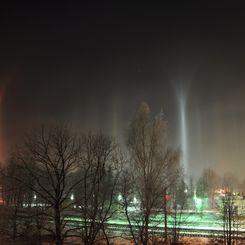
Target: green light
{"points": [[198, 203], [119, 198], [135, 200]]}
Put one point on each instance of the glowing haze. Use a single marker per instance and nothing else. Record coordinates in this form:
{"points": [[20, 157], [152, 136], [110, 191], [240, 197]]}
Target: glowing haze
{"points": [[92, 65]]}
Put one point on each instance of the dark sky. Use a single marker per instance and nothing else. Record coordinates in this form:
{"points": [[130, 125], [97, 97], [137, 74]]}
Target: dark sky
{"points": [[92, 64]]}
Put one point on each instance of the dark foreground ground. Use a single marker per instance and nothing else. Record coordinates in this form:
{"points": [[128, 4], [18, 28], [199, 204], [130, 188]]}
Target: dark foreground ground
{"points": [[184, 241]]}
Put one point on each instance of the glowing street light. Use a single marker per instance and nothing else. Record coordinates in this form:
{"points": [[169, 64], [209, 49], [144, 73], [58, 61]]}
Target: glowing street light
{"points": [[119, 198], [72, 197], [135, 200]]}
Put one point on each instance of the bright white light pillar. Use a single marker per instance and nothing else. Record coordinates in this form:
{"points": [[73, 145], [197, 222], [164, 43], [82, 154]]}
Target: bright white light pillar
{"points": [[183, 132]]}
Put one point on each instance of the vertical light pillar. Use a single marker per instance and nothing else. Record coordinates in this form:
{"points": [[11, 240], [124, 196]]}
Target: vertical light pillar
{"points": [[183, 132]]}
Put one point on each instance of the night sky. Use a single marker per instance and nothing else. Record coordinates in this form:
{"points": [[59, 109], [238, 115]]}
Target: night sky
{"points": [[92, 64]]}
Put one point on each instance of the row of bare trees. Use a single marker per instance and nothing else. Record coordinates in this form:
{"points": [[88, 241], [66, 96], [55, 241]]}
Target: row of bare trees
{"points": [[50, 170], [62, 185]]}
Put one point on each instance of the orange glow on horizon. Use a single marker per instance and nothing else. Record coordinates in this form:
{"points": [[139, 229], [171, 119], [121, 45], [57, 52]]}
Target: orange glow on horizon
{"points": [[1, 127]]}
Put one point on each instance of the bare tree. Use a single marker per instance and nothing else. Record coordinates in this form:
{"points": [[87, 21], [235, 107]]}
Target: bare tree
{"points": [[178, 216], [207, 183], [230, 182], [229, 219], [15, 196], [51, 156], [95, 195], [153, 166]]}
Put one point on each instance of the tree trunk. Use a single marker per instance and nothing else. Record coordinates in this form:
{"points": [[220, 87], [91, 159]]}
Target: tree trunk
{"points": [[58, 235], [165, 217], [146, 230], [14, 235]]}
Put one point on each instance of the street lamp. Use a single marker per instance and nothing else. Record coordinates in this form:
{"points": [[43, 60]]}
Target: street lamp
{"points": [[135, 200], [119, 198]]}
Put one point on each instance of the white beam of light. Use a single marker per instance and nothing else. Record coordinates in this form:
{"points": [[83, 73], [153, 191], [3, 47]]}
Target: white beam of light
{"points": [[184, 144], [181, 90]]}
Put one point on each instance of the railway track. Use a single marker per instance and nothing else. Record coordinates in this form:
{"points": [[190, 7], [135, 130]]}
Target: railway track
{"points": [[124, 229], [183, 231]]}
